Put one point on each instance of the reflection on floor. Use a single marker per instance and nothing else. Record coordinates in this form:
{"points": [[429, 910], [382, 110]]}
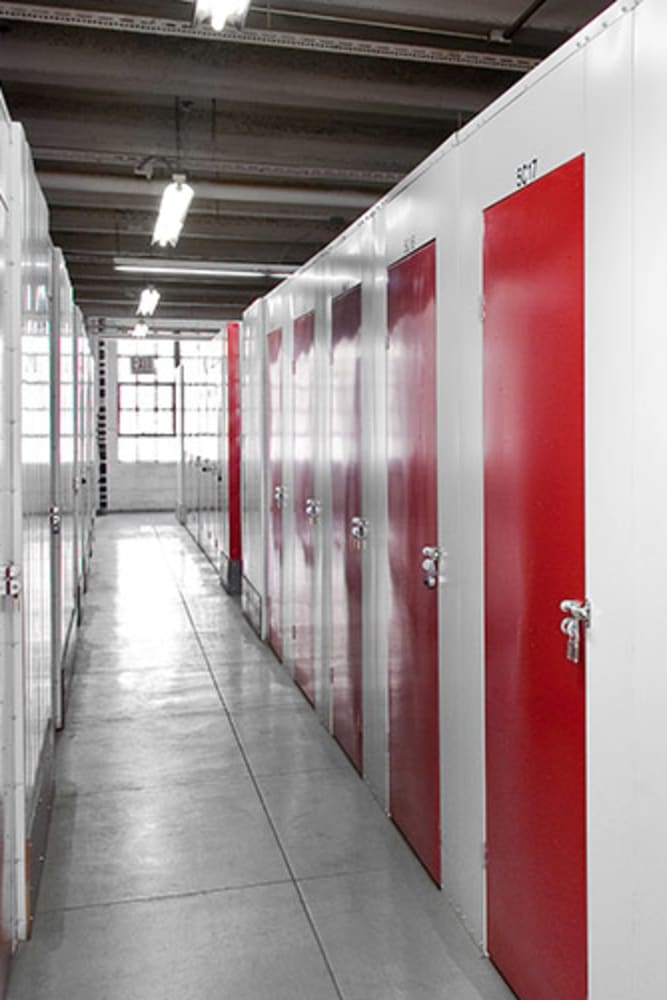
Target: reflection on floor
{"points": [[209, 838]]}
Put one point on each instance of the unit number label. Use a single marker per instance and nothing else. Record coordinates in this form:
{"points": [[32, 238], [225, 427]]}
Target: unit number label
{"points": [[410, 244], [526, 173]]}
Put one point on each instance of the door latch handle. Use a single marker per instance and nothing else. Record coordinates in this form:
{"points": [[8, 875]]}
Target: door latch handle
{"points": [[313, 510], [359, 528], [279, 495], [578, 616], [431, 556]]}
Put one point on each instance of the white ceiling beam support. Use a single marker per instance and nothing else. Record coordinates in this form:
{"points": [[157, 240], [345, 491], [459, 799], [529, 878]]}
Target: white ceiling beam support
{"points": [[361, 48]]}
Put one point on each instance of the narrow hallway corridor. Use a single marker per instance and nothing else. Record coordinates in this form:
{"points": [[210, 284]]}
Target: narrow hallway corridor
{"points": [[209, 839]]}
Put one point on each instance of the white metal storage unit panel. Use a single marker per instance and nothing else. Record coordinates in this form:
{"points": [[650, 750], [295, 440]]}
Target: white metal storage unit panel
{"points": [[33, 250], [38, 430], [644, 716], [63, 470], [9, 608]]}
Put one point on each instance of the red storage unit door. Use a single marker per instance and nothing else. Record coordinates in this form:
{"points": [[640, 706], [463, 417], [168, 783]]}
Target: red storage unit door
{"points": [[234, 433], [274, 409], [414, 751], [303, 372], [346, 554], [534, 553]]}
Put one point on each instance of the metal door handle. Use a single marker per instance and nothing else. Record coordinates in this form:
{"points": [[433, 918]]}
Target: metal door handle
{"points": [[431, 556], [578, 615], [359, 528], [279, 497], [313, 509]]}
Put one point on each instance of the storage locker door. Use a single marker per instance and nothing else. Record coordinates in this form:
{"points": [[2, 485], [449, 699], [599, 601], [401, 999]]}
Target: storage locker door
{"points": [[413, 522], [224, 462], [346, 556], [534, 552], [234, 450], [274, 409], [306, 515]]}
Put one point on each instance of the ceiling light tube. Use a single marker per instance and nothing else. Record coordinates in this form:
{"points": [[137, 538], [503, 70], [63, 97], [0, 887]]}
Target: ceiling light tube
{"points": [[174, 207], [219, 12], [148, 302], [202, 269]]}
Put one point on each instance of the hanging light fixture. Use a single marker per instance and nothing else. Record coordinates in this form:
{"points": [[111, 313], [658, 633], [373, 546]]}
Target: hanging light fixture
{"points": [[176, 200], [219, 12], [139, 330], [148, 302]]}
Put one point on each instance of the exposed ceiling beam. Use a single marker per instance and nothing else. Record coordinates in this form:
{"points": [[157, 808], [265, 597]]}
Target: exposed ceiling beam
{"points": [[235, 168], [138, 68], [291, 214], [211, 326], [107, 219], [303, 42], [278, 194]]}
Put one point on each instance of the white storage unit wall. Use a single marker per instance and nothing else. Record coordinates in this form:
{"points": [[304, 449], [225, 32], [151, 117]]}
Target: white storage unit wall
{"points": [[542, 154], [30, 295], [10, 618], [63, 468], [45, 426]]}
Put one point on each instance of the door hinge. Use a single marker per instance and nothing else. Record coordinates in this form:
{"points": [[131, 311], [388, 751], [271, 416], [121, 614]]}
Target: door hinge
{"points": [[12, 584], [294, 631], [331, 675], [482, 308]]}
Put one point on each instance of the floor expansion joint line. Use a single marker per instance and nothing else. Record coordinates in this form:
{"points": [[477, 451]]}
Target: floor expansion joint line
{"points": [[251, 774], [163, 897]]}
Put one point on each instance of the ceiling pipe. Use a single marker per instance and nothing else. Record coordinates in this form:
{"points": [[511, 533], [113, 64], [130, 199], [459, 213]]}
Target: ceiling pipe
{"points": [[276, 195], [400, 26], [522, 19]]}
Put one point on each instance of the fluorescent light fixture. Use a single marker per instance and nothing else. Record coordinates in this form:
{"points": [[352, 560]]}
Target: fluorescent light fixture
{"points": [[176, 199], [139, 330], [148, 302], [201, 269], [219, 12]]}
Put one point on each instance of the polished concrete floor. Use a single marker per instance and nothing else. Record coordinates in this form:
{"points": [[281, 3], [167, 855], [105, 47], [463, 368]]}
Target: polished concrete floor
{"points": [[209, 839]]}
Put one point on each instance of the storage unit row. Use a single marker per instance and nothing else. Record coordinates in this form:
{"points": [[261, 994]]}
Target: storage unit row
{"points": [[47, 504], [209, 431], [454, 496]]}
